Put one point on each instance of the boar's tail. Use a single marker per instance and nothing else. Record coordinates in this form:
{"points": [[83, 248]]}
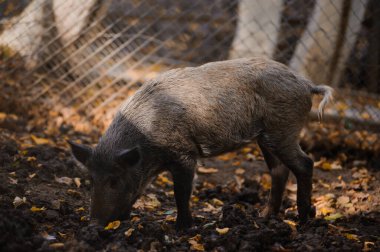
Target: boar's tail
{"points": [[327, 93]]}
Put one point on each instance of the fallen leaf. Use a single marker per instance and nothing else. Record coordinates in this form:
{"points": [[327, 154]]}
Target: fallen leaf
{"points": [[13, 174], [292, 225], [64, 180], [194, 242], [217, 202], [170, 218], [3, 116], [326, 210], [291, 187], [31, 159], [77, 182], [239, 171], [135, 219], [62, 235], [57, 245], [265, 181], [48, 237], [37, 209], [73, 192], [227, 156], [333, 217], [343, 200], [38, 140], [84, 218], [368, 246], [112, 225], [163, 180], [148, 202], [31, 175], [80, 209], [12, 181], [194, 199], [222, 231], [236, 163], [129, 232], [351, 236], [19, 201], [205, 170]]}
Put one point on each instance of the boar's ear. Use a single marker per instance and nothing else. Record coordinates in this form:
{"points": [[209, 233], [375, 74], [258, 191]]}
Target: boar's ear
{"points": [[81, 152], [129, 157]]}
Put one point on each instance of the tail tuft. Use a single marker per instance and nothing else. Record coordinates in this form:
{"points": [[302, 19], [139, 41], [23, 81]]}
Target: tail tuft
{"points": [[327, 93]]}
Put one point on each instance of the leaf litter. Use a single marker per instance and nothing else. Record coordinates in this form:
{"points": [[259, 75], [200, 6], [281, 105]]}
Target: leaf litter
{"points": [[44, 193]]}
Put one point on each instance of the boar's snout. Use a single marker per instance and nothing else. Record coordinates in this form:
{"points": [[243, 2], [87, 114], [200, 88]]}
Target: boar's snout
{"points": [[104, 215]]}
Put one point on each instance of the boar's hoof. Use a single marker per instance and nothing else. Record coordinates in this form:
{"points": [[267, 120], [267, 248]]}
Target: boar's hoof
{"points": [[311, 215], [183, 224]]}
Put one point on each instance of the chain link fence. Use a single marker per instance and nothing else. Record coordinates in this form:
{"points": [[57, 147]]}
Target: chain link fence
{"points": [[90, 55]]}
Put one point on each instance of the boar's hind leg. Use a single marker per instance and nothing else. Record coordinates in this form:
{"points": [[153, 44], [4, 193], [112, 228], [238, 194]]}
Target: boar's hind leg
{"points": [[302, 167], [279, 173], [183, 174]]}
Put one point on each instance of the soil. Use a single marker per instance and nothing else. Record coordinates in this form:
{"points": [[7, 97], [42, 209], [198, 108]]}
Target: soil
{"points": [[44, 194], [54, 214]]}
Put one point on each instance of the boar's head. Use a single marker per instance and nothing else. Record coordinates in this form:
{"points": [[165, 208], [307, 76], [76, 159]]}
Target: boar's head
{"points": [[116, 180]]}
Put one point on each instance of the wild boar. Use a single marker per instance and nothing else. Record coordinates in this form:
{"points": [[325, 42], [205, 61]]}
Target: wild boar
{"points": [[196, 112]]}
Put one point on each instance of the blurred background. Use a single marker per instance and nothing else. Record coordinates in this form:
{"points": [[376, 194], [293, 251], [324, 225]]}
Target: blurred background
{"points": [[81, 58]]}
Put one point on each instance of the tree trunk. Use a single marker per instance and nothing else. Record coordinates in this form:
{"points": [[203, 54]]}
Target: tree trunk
{"points": [[257, 29]]}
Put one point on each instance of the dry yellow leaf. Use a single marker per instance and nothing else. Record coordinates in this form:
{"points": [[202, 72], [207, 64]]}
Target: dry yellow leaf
{"points": [[194, 242], [163, 180], [227, 156], [266, 181], [129, 232], [222, 231], [84, 218], [37, 209], [246, 150], [57, 245], [194, 199], [217, 202], [326, 166], [333, 216], [79, 209], [112, 225], [32, 175], [351, 236], [205, 170], [31, 159], [39, 140], [326, 210]]}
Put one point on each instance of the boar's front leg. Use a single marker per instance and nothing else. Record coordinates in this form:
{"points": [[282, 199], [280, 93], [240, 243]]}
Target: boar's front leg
{"points": [[279, 173], [183, 174]]}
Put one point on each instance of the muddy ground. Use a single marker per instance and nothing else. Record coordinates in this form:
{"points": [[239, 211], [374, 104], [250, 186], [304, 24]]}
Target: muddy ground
{"points": [[44, 194], [44, 198]]}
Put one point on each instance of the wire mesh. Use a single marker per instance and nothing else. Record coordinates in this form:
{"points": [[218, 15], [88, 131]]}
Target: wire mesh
{"points": [[90, 55]]}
